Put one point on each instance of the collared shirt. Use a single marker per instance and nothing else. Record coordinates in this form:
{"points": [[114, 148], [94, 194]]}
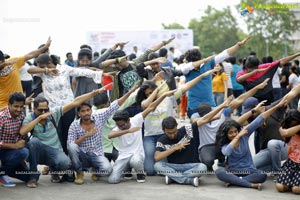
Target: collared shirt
{"points": [[94, 142], [10, 127], [47, 133]]}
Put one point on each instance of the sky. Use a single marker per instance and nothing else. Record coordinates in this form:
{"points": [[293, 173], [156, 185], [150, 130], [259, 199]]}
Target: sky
{"points": [[24, 25]]}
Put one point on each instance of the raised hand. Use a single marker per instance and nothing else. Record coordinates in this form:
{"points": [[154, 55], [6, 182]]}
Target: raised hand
{"points": [[263, 84], [47, 44], [182, 145], [45, 115], [29, 99], [168, 41], [244, 41]]}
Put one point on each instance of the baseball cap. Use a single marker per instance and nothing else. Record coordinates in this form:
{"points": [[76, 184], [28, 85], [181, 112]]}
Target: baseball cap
{"points": [[249, 104]]}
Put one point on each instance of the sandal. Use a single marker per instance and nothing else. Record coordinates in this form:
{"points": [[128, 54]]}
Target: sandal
{"points": [[32, 183]]}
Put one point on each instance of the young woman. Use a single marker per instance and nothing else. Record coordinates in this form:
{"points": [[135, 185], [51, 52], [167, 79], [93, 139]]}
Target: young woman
{"points": [[233, 142], [219, 84], [289, 176]]}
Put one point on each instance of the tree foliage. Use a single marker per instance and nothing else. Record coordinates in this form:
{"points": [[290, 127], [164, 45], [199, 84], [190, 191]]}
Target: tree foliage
{"points": [[269, 24], [172, 26], [215, 31]]}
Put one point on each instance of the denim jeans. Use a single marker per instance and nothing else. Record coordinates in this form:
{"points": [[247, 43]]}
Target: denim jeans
{"points": [[43, 154], [269, 159], [81, 160], [236, 94], [180, 173], [135, 161], [149, 148], [218, 97], [13, 164], [241, 177]]}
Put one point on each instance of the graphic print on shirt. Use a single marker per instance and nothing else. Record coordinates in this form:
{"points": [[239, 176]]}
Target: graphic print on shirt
{"points": [[6, 71]]}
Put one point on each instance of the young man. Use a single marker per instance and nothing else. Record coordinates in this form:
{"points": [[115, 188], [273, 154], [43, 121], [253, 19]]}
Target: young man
{"points": [[85, 139], [176, 153], [131, 150], [45, 147], [202, 92], [12, 147], [10, 80]]}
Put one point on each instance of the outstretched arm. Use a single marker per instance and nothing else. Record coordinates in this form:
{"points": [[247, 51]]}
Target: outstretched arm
{"points": [[79, 100], [163, 43], [37, 52], [238, 101], [193, 82], [289, 132], [285, 60]]}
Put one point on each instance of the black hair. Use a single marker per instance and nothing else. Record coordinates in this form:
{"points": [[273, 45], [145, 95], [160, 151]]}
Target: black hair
{"points": [[192, 55], [46, 50], [16, 97], [141, 93], [269, 59], [293, 69], [131, 56], [121, 115], [100, 99], [85, 46], [38, 100], [221, 70], [232, 60], [2, 58], [292, 115], [264, 60], [69, 53], [152, 56], [46, 58], [169, 123], [83, 104], [252, 53], [221, 136], [251, 62], [296, 62], [85, 52], [203, 109], [117, 54], [96, 54], [163, 52]]}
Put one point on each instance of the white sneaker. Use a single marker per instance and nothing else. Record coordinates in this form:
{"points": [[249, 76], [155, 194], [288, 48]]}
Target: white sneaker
{"points": [[195, 182], [168, 180]]}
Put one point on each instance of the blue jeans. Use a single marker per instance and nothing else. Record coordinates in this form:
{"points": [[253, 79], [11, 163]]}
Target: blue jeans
{"points": [[81, 160], [180, 173], [269, 159], [13, 164], [236, 94], [218, 97], [149, 148], [241, 177], [135, 161], [43, 154]]}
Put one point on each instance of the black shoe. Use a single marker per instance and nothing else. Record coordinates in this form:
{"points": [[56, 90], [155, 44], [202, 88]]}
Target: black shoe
{"points": [[140, 178], [55, 178], [128, 176], [68, 176]]}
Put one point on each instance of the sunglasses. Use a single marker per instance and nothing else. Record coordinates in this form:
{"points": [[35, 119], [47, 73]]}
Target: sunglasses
{"points": [[43, 110]]}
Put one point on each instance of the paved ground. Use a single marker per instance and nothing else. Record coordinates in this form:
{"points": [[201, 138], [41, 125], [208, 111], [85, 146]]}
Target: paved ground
{"points": [[154, 188]]}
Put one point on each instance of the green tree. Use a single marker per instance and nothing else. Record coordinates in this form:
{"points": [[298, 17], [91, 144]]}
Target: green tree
{"points": [[216, 31], [172, 26], [269, 24]]}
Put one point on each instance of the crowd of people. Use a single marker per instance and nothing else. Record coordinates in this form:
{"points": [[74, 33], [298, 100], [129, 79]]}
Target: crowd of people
{"points": [[111, 113]]}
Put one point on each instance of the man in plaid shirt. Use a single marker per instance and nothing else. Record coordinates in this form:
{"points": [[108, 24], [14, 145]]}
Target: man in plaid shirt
{"points": [[12, 148], [85, 139]]}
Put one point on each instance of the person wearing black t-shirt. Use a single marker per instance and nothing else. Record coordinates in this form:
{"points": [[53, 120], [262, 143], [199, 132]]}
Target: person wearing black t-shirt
{"points": [[176, 153]]}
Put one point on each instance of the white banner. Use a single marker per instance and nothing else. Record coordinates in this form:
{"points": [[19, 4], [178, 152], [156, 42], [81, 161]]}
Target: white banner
{"points": [[142, 39]]}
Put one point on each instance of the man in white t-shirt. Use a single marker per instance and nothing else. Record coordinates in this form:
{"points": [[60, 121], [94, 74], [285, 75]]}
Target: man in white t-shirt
{"points": [[131, 150]]}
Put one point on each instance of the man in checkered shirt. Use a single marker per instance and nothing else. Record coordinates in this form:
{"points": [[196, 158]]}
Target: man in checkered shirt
{"points": [[12, 147]]}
